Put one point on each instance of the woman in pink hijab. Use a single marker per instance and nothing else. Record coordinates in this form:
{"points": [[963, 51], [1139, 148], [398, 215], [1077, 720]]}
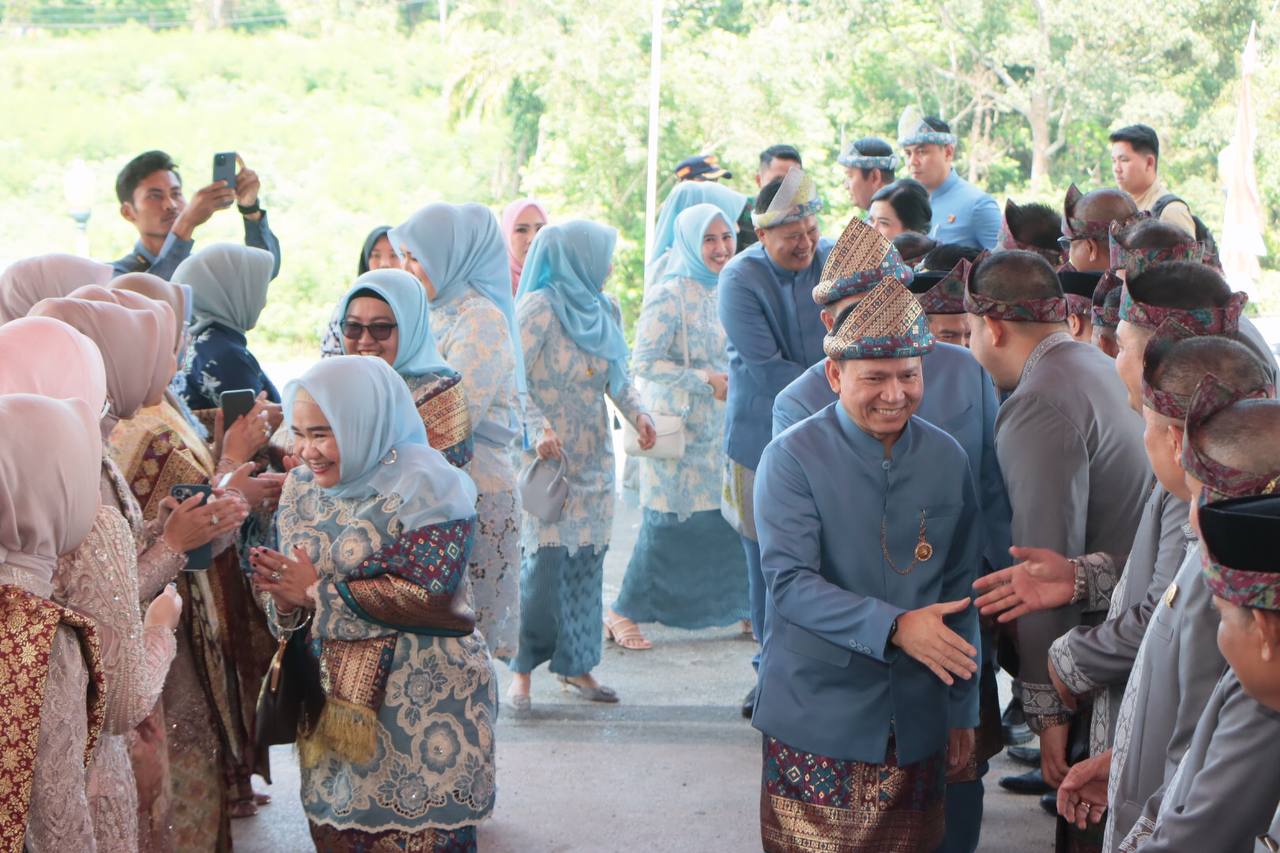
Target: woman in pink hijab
{"points": [[521, 222], [132, 342], [24, 283], [100, 578], [50, 697]]}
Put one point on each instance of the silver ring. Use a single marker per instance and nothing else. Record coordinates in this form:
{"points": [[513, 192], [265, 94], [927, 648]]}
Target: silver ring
{"points": [[275, 576], [213, 520]]}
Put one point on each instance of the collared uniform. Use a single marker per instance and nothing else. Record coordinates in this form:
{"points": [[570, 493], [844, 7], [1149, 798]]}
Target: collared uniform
{"points": [[1076, 471], [841, 527], [1225, 789], [1172, 679], [1100, 658], [1174, 213], [964, 214]]}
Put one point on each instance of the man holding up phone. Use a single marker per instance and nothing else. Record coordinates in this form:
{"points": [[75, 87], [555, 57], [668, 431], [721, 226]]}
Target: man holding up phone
{"points": [[150, 192]]}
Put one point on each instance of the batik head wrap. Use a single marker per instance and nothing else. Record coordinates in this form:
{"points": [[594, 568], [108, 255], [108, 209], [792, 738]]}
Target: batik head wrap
{"points": [[1079, 287], [686, 260], [69, 367], [130, 342], [1075, 228], [1009, 240], [509, 216], [569, 263], [460, 248], [1105, 311], [1209, 320], [886, 323], [1051, 309], [26, 282], [1241, 562], [1163, 402], [796, 199], [914, 130], [859, 261], [1135, 261], [683, 196], [229, 285], [852, 158], [416, 352], [1212, 396], [50, 464], [943, 292]]}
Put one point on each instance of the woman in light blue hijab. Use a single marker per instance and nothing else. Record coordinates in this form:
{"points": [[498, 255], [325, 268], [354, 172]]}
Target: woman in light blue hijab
{"points": [[576, 356], [373, 518], [457, 254], [687, 569], [683, 196], [385, 314]]}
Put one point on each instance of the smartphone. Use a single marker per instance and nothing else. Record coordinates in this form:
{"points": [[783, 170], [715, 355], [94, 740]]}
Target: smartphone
{"points": [[201, 558], [224, 168], [235, 404]]}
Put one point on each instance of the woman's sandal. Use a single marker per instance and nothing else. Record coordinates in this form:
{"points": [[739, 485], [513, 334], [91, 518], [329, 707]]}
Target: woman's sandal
{"points": [[519, 702], [592, 692], [625, 633]]}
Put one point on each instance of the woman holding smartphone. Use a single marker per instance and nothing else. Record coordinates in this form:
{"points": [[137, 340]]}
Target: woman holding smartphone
{"points": [[401, 757]]}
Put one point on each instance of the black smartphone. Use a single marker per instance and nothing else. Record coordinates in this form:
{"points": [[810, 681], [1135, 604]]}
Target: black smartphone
{"points": [[235, 404], [201, 558], [224, 168]]}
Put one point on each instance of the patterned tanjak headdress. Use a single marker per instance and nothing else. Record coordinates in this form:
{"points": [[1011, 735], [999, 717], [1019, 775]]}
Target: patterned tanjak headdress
{"points": [[943, 292], [795, 199], [1076, 228], [1163, 402], [1202, 321], [1009, 241], [887, 323], [1220, 481], [914, 130], [852, 159], [1078, 287], [1106, 301], [1052, 309], [1135, 261], [1241, 562], [860, 259]]}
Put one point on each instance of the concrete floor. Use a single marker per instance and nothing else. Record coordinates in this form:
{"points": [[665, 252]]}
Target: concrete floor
{"points": [[673, 767]]}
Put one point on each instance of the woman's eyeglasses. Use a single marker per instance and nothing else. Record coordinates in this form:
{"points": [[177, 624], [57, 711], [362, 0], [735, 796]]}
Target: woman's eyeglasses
{"points": [[354, 331]]}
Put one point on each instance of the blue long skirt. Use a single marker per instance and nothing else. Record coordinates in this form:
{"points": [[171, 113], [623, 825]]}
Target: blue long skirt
{"points": [[560, 610], [687, 574]]}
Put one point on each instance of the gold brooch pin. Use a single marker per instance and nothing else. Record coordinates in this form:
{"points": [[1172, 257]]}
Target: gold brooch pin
{"points": [[1170, 594]]}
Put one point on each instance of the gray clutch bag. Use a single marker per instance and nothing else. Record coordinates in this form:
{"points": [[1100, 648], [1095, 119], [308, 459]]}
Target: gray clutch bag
{"points": [[544, 488]]}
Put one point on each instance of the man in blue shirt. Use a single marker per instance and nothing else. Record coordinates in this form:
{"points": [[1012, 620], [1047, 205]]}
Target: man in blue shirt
{"points": [[150, 192], [869, 530], [962, 213], [773, 333]]}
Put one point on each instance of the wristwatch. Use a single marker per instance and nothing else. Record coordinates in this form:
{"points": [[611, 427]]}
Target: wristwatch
{"points": [[250, 210], [893, 630]]}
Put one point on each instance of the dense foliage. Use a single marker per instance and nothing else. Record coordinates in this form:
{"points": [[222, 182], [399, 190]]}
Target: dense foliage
{"points": [[356, 112]]}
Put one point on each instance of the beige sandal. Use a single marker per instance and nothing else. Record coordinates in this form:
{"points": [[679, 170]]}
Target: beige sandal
{"points": [[625, 633]]}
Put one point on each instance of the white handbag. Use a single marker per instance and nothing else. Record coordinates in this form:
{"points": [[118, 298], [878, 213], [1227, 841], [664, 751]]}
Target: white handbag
{"points": [[544, 488], [669, 428]]}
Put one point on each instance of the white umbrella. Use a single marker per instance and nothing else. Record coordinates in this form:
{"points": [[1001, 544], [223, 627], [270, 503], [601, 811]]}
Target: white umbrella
{"points": [[1241, 244]]}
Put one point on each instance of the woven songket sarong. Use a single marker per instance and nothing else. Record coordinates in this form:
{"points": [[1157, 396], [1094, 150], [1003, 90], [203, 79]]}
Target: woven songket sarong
{"points": [[814, 804]]}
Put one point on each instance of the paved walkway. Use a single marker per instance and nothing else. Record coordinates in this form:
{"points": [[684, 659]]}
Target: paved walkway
{"points": [[671, 768]]}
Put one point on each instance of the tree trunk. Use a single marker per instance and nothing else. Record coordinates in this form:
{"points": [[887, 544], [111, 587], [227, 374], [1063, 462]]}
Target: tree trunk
{"points": [[1038, 118]]}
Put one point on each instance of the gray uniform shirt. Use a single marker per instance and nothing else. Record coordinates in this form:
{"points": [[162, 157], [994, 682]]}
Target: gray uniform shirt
{"points": [[1099, 658], [1225, 789], [1177, 666], [1071, 452]]}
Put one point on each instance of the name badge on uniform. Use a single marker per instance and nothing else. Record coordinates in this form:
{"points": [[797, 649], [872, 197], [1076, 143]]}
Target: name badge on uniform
{"points": [[1170, 594]]}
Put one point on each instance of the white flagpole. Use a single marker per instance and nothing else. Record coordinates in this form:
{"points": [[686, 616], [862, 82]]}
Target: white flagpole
{"points": [[655, 92]]}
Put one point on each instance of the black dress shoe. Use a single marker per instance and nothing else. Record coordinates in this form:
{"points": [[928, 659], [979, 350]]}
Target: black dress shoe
{"points": [[1028, 755], [1031, 782], [749, 704], [1049, 802]]}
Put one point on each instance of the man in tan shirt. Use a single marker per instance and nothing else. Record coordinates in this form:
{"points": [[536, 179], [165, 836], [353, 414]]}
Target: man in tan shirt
{"points": [[1135, 159]]}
